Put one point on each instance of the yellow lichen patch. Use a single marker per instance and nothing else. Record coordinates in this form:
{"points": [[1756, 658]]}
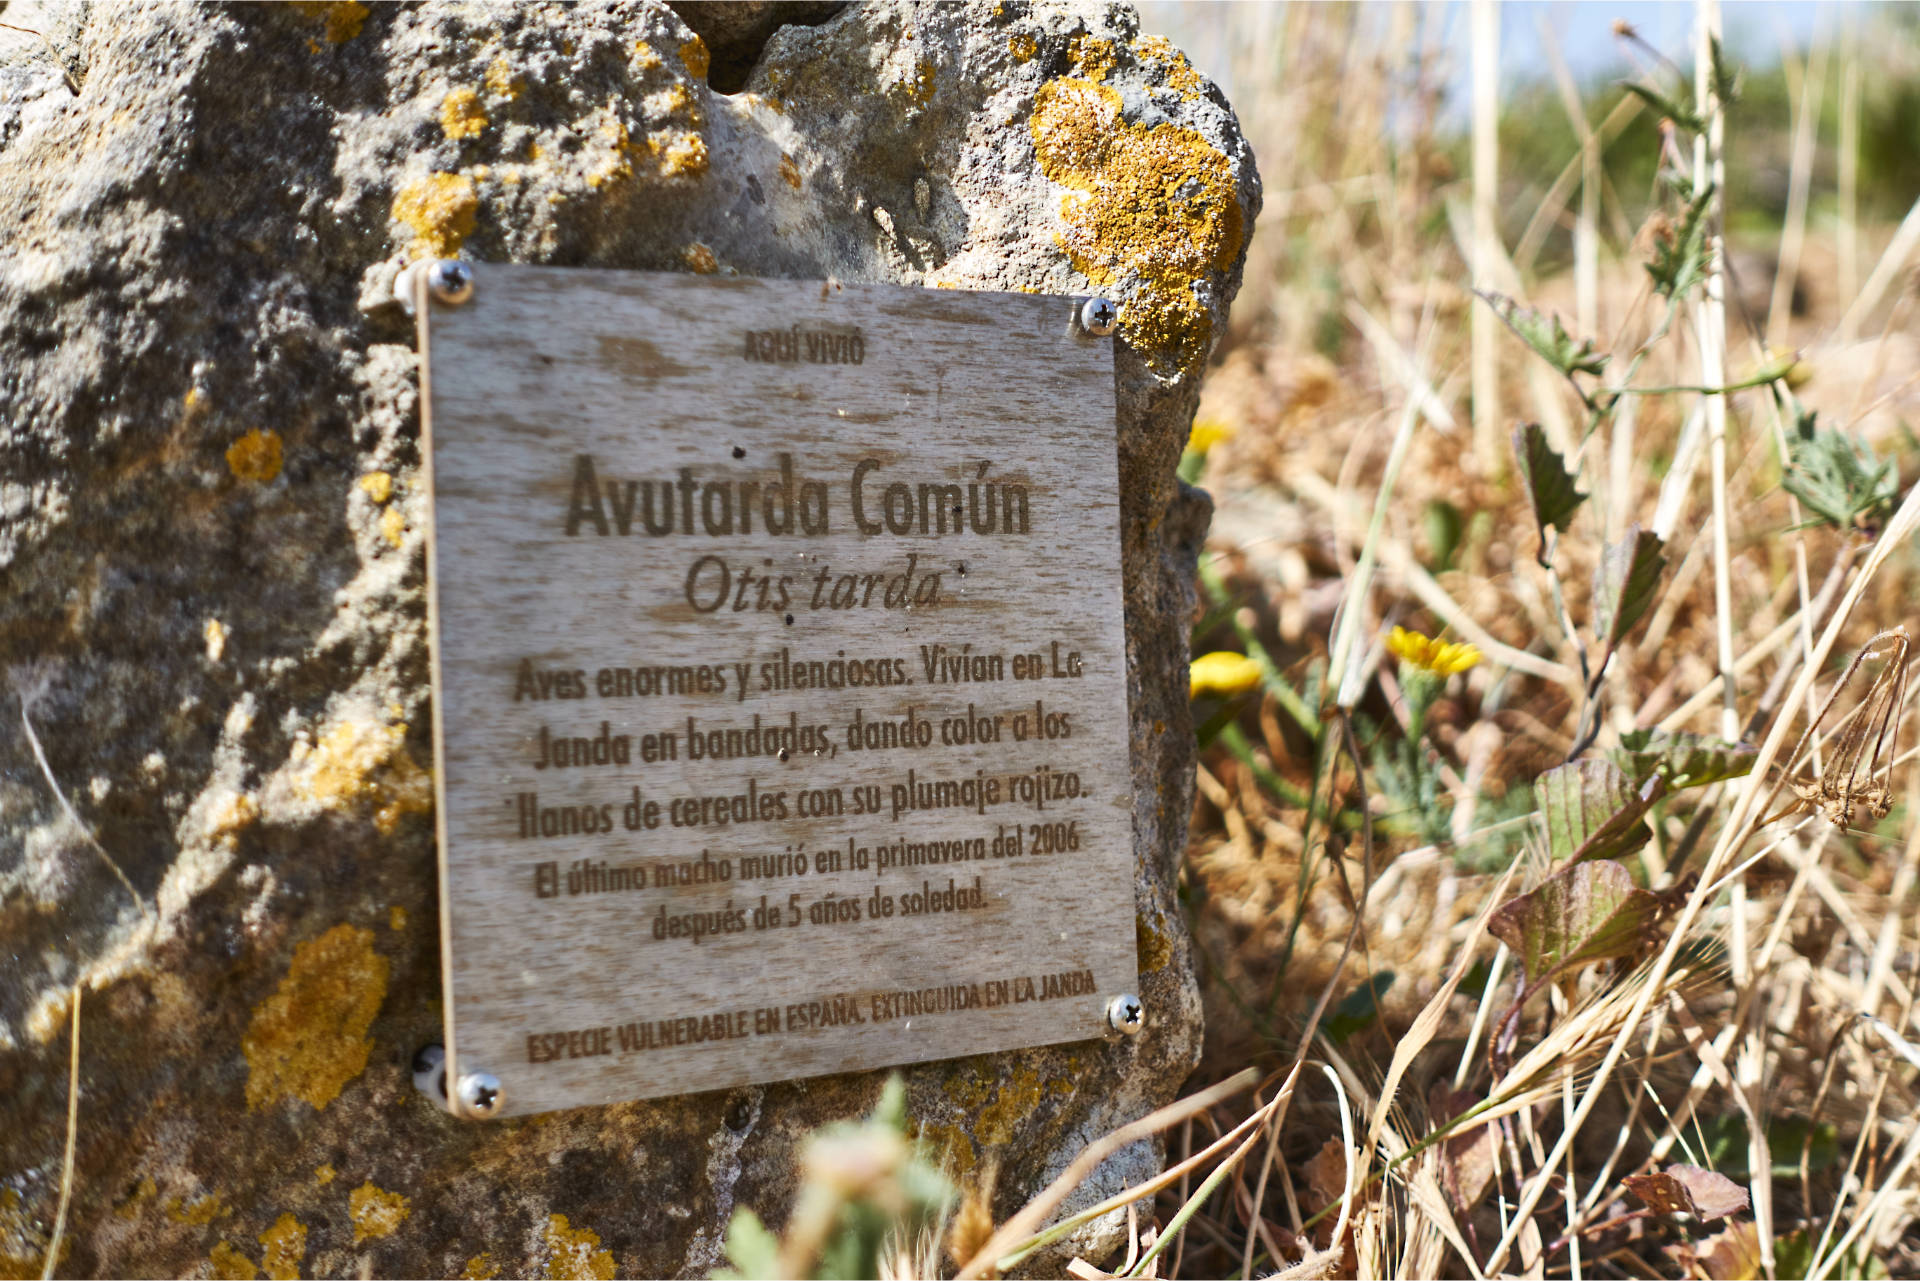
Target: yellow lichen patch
{"points": [[309, 1038], [198, 1212], [679, 98], [1156, 205], [23, 1242], [695, 58], [193, 403], [142, 1193], [215, 634], [1014, 1102], [396, 918], [255, 456], [1179, 73], [575, 1253], [1153, 948], [789, 171], [377, 485], [1023, 47], [699, 259], [285, 1248], [1091, 56], [681, 153], [339, 773], [644, 58], [480, 1267], [323, 1175], [948, 1146], [393, 526], [461, 115], [501, 82], [440, 209], [375, 1212], [231, 817], [231, 1265], [344, 18]]}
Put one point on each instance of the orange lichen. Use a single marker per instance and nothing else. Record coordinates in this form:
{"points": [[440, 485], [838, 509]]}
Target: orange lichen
{"points": [[231, 817], [377, 485], [699, 259], [1092, 57], [440, 209], [344, 18], [501, 82], [461, 115], [231, 1265], [309, 1038], [393, 526], [198, 1212], [375, 1212], [285, 1248], [323, 1175], [1179, 73], [948, 1146], [681, 154], [255, 456], [396, 918], [789, 171], [695, 58], [644, 58], [341, 771], [480, 1267], [574, 1254], [1155, 205], [143, 1192], [1023, 47]]}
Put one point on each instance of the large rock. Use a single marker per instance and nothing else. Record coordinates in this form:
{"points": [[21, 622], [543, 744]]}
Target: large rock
{"points": [[211, 574]]}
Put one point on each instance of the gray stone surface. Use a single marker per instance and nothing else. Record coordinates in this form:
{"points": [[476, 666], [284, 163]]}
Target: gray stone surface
{"points": [[211, 574]]}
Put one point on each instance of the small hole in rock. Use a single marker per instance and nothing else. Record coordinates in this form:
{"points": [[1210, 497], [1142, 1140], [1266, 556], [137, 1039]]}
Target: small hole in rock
{"points": [[736, 33]]}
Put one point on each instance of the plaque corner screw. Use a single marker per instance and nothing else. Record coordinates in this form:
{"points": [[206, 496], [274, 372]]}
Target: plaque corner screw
{"points": [[1126, 1014], [480, 1094], [450, 281], [1099, 316]]}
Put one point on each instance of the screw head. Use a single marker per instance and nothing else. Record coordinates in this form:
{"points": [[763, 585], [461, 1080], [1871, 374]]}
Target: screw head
{"points": [[451, 281], [1126, 1014], [480, 1094], [1098, 316]]}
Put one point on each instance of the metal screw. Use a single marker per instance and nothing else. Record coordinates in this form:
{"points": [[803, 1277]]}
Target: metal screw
{"points": [[451, 281], [1126, 1014], [1098, 316], [480, 1093]]}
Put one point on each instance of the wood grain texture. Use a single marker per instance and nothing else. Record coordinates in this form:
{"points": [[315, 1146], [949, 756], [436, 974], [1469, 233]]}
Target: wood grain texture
{"points": [[647, 553]]}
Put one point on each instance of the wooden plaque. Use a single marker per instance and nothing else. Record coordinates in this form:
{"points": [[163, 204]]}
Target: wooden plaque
{"points": [[779, 679]]}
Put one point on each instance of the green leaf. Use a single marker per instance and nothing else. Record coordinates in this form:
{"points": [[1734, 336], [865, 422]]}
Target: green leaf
{"points": [[1726, 77], [1681, 112], [753, 1251], [1547, 336], [1445, 526], [1549, 483], [1593, 811], [1837, 477], [1580, 916], [1680, 252], [1625, 583], [1682, 760], [1360, 1009]]}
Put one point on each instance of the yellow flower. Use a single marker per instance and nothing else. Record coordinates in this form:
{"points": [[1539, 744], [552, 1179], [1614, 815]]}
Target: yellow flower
{"points": [[1442, 658], [1208, 432], [1223, 672]]}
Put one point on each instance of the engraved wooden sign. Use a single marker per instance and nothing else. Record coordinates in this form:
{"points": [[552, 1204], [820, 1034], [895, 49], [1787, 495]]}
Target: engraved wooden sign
{"points": [[779, 680]]}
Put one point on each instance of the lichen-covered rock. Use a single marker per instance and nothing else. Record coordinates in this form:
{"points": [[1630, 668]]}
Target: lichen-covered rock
{"points": [[212, 629]]}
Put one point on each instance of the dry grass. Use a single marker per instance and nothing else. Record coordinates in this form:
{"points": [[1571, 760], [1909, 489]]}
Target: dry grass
{"points": [[1765, 1028]]}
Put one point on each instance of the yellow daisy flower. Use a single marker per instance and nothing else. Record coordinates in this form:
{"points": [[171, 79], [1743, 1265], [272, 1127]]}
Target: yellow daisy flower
{"points": [[1442, 658], [1208, 432], [1223, 673]]}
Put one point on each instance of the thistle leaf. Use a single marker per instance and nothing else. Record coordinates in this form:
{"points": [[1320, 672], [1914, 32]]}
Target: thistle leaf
{"points": [[1592, 810], [1682, 760], [1625, 583], [1681, 112], [1547, 336], [1549, 484], [1836, 477], [1680, 252], [1580, 916]]}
